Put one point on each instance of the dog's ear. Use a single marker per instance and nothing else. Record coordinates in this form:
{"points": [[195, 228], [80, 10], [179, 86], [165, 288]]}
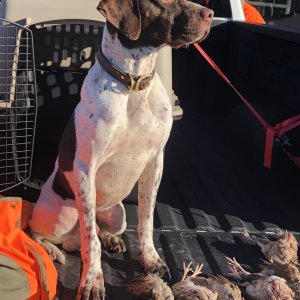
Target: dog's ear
{"points": [[124, 15]]}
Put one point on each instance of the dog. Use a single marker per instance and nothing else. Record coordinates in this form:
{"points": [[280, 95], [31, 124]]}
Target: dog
{"points": [[115, 138]]}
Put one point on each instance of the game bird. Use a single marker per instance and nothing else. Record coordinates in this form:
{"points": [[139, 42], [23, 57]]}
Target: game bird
{"points": [[149, 287], [258, 286], [188, 289], [289, 271], [226, 289], [285, 248]]}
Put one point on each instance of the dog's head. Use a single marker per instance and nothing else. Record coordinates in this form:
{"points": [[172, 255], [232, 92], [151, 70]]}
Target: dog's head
{"points": [[176, 23]]}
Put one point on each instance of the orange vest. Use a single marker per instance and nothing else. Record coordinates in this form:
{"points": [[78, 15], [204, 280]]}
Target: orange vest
{"points": [[252, 14], [26, 272]]}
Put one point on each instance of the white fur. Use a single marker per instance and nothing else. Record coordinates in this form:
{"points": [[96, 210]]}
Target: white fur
{"points": [[120, 138]]}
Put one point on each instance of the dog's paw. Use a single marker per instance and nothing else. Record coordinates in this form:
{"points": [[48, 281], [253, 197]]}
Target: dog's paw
{"points": [[54, 252], [91, 287], [159, 268], [57, 254], [113, 243], [155, 265], [85, 292]]}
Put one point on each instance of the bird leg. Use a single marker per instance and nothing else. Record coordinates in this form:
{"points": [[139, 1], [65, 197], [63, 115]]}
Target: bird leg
{"points": [[186, 270], [233, 272], [260, 241], [245, 233], [236, 269], [198, 271]]}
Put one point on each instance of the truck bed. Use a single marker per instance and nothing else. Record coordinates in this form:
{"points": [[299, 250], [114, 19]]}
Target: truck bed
{"points": [[214, 185]]}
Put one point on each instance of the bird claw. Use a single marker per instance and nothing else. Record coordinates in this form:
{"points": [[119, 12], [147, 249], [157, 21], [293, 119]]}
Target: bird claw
{"points": [[245, 233], [235, 268], [186, 270], [197, 271]]}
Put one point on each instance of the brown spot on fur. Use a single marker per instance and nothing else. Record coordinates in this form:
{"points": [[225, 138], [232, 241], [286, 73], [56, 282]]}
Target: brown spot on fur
{"points": [[66, 155], [123, 15], [67, 147]]}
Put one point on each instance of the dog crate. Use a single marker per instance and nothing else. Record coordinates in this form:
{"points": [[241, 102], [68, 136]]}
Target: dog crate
{"points": [[17, 104]]}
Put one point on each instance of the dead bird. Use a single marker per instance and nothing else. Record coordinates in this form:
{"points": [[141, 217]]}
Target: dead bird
{"points": [[285, 248], [150, 287], [187, 289], [226, 289], [289, 271], [259, 286]]}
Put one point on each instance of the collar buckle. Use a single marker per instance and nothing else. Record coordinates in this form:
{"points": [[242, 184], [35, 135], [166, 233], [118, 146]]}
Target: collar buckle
{"points": [[140, 83]]}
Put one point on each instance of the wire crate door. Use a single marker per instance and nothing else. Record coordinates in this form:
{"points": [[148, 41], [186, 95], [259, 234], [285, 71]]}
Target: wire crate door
{"points": [[18, 104]]}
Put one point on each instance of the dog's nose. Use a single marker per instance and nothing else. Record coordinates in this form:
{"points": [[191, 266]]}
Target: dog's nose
{"points": [[206, 13]]}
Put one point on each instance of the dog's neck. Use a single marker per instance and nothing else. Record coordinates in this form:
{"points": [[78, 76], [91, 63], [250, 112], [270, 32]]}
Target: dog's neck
{"points": [[136, 61]]}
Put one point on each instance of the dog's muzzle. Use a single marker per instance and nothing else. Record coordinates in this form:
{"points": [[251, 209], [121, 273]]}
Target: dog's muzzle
{"points": [[134, 83]]}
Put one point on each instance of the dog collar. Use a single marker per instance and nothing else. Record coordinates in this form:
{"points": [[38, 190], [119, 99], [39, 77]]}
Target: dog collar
{"points": [[134, 83]]}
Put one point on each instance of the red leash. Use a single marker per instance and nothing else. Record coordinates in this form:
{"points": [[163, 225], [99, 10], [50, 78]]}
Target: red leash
{"points": [[272, 132]]}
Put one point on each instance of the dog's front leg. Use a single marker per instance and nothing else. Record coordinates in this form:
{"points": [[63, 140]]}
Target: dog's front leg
{"points": [[92, 281], [147, 191]]}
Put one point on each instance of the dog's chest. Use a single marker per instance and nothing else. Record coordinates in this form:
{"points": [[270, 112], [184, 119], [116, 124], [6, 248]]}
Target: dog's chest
{"points": [[134, 144], [128, 129], [133, 123], [139, 134], [143, 127]]}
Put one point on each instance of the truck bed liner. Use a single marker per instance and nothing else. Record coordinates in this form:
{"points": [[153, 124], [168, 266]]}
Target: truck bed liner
{"points": [[205, 199], [203, 204]]}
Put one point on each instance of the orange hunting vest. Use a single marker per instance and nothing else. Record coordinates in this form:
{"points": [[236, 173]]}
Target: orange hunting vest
{"points": [[26, 270], [252, 14]]}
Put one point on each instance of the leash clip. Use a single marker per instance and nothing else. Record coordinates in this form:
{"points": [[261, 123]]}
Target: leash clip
{"points": [[284, 142], [139, 84], [286, 145]]}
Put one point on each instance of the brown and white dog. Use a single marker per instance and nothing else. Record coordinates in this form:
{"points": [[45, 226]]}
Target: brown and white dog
{"points": [[115, 138]]}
